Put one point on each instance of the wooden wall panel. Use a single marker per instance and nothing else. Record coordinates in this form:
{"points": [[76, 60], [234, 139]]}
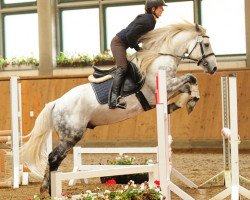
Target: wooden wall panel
{"points": [[5, 105], [37, 92], [203, 124]]}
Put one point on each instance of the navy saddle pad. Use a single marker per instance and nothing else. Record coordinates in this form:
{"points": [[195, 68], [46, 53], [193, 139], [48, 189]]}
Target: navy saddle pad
{"points": [[102, 91]]}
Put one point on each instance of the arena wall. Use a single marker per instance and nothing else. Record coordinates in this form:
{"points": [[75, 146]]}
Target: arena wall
{"points": [[200, 129]]}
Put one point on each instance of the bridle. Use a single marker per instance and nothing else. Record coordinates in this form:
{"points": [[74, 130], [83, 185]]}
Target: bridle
{"points": [[202, 60]]}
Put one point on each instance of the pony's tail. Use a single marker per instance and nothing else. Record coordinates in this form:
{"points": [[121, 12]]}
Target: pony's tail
{"points": [[33, 153]]}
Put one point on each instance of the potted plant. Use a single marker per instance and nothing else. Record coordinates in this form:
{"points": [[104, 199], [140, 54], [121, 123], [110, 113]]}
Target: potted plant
{"points": [[104, 58], [20, 62], [79, 60], [124, 179], [3, 63]]}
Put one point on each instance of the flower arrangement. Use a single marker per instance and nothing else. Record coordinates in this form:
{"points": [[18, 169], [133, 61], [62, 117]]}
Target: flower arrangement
{"points": [[79, 60], [104, 58], [124, 179], [131, 191], [3, 63], [122, 160], [17, 62], [62, 60]]}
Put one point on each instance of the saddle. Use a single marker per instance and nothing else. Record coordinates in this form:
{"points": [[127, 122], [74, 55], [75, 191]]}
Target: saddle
{"points": [[132, 84]]}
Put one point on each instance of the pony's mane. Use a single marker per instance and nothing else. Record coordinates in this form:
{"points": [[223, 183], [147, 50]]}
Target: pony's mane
{"points": [[153, 40]]}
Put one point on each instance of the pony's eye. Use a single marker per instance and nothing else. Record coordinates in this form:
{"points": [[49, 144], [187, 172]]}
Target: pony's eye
{"points": [[206, 44]]}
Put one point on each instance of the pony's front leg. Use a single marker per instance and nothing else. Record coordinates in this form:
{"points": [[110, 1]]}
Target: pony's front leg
{"points": [[185, 85], [184, 97], [195, 96]]}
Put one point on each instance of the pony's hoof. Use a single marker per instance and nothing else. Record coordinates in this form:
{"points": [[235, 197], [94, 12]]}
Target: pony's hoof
{"points": [[192, 79], [44, 195], [43, 189], [190, 106]]}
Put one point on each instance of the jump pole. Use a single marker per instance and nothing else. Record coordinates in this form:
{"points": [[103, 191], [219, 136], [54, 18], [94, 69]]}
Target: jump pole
{"points": [[15, 130], [235, 189], [225, 175], [79, 166], [15, 136], [163, 131]]}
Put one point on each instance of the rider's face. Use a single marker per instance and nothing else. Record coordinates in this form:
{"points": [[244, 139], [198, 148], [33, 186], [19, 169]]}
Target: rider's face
{"points": [[158, 11]]}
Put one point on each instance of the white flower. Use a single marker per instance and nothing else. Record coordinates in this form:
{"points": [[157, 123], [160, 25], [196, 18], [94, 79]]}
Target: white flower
{"points": [[88, 192], [77, 197], [100, 195], [142, 186], [118, 158], [149, 162], [107, 192]]}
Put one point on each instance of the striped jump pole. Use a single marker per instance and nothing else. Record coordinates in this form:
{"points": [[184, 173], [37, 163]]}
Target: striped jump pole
{"points": [[230, 134]]}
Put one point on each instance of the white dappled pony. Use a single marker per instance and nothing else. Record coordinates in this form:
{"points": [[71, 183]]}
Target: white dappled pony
{"points": [[71, 114]]}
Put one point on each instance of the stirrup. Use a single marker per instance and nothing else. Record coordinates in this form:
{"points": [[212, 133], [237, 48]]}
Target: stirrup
{"points": [[122, 104]]}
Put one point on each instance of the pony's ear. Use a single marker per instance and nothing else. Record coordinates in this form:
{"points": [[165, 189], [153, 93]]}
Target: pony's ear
{"points": [[197, 27]]}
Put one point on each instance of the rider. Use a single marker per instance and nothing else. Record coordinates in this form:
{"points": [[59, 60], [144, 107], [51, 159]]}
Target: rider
{"points": [[128, 37]]}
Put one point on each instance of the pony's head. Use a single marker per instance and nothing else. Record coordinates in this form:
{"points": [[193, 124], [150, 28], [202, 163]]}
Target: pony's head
{"points": [[183, 41], [200, 50]]}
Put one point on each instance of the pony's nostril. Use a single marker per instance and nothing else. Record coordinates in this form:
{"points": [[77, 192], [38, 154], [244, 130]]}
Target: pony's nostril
{"points": [[214, 69]]}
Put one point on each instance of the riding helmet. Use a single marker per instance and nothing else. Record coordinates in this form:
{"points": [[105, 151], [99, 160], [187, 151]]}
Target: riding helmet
{"points": [[154, 3]]}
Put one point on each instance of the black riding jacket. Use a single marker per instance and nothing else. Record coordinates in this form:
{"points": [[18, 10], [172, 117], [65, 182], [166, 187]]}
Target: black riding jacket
{"points": [[138, 27]]}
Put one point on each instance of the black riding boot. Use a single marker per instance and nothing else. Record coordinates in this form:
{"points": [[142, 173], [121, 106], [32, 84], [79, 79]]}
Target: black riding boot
{"points": [[115, 100]]}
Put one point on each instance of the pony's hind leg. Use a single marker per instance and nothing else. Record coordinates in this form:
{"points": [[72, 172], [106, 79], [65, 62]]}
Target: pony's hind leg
{"points": [[58, 154]]}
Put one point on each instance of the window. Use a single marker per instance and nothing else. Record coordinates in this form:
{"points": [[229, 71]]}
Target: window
{"points": [[118, 18], [176, 12], [17, 1], [225, 23], [21, 35], [80, 31]]}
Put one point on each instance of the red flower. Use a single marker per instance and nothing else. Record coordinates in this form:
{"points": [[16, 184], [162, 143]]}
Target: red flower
{"points": [[157, 183], [110, 182], [64, 194]]}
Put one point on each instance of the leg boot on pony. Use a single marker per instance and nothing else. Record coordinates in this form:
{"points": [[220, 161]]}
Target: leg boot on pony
{"points": [[115, 98]]}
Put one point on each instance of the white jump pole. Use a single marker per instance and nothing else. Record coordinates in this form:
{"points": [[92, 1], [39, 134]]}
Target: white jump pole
{"points": [[225, 175], [235, 189], [15, 130], [78, 151], [164, 134]]}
